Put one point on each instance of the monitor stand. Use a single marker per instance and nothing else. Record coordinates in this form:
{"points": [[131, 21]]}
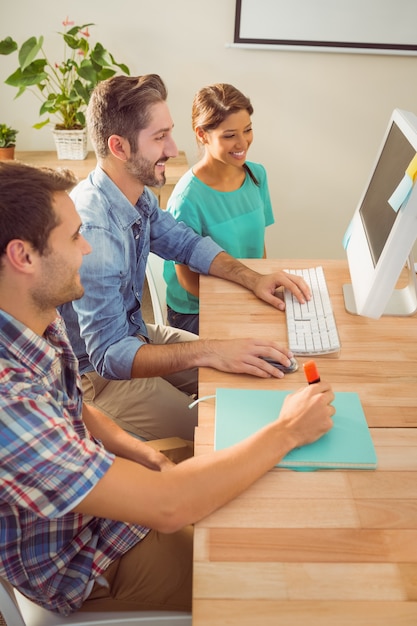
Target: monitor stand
{"points": [[403, 302]]}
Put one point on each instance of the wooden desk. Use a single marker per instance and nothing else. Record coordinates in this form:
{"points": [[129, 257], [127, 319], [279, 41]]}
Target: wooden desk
{"points": [[325, 548], [174, 169]]}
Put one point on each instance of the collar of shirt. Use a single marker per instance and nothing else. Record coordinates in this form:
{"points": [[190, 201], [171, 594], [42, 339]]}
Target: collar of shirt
{"points": [[124, 213], [35, 352]]}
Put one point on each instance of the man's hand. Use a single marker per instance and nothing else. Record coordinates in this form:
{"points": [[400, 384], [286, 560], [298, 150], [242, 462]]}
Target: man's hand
{"points": [[307, 413], [121, 443], [243, 356], [165, 464], [267, 284], [264, 286]]}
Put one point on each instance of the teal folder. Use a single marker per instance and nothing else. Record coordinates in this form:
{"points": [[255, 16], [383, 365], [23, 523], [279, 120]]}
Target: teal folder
{"points": [[348, 445]]}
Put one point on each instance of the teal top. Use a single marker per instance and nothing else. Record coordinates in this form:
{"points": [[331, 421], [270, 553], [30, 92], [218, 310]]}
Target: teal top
{"points": [[235, 220]]}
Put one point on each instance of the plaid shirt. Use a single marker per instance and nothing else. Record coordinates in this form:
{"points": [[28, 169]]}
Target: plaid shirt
{"points": [[49, 462]]}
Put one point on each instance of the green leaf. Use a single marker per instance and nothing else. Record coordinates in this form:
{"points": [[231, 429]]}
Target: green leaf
{"points": [[100, 56], [84, 46], [71, 41], [41, 124], [80, 118], [122, 66], [29, 50], [49, 106], [87, 72], [7, 46], [76, 29], [19, 93], [82, 91], [105, 73], [59, 100], [32, 75]]}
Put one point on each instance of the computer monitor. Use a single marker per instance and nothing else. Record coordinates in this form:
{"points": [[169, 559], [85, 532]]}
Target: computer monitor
{"points": [[380, 238]]}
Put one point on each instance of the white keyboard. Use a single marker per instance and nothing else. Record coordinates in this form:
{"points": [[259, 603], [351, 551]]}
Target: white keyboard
{"points": [[311, 327]]}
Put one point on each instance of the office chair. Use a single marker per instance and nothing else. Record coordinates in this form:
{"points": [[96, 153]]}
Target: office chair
{"points": [[19, 611], [157, 287]]}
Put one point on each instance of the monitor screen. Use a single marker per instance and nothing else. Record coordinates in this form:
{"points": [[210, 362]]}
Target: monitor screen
{"points": [[377, 214], [382, 233]]}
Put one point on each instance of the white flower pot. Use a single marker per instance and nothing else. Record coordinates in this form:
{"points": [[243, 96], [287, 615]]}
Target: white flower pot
{"points": [[71, 144]]}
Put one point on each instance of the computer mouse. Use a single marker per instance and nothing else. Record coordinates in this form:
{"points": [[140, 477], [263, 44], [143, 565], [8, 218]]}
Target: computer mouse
{"points": [[293, 367]]}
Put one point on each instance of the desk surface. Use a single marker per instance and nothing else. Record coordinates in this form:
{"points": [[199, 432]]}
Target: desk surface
{"points": [[324, 548]]}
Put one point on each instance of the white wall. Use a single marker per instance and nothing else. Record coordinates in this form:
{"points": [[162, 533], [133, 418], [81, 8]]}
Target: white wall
{"points": [[319, 117]]}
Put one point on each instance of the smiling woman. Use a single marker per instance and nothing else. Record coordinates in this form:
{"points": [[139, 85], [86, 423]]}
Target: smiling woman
{"points": [[223, 195]]}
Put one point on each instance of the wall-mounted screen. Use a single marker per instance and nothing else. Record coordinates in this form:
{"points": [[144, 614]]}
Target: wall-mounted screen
{"points": [[378, 26]]}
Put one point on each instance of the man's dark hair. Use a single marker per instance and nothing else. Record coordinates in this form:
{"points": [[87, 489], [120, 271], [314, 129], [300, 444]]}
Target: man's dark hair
{"points": [[121, 106], [26, 202]]}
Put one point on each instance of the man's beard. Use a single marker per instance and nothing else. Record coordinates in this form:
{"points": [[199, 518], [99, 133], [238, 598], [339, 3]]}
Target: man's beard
{"points": [[144, 171]]}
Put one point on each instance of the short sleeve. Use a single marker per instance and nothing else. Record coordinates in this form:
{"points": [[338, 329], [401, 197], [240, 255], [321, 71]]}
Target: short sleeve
{"points": [[47, 467]]}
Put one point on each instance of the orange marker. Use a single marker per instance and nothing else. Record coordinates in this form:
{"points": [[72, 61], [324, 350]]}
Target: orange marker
{"points": [[311, 372]]}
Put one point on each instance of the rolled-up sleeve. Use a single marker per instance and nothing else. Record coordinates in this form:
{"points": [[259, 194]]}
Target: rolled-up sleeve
{"points": [[175, 241]]}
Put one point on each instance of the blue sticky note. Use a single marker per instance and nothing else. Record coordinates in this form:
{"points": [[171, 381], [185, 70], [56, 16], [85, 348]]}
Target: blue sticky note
{"points": [[401, 193], [346, 236]]}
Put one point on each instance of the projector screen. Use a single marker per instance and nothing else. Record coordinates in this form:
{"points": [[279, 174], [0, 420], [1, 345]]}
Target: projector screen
{"points": [[384, 26]]}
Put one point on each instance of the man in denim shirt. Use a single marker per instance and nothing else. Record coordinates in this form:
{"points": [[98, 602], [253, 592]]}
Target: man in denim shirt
{"points": [[134, 372]]}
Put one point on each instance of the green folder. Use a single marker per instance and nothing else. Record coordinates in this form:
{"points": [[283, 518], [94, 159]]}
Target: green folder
{"points": [[348, 445]]}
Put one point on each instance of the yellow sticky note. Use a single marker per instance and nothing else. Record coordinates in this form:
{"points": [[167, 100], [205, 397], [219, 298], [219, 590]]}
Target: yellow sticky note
{"points": [[412, 169], [403, 190]]}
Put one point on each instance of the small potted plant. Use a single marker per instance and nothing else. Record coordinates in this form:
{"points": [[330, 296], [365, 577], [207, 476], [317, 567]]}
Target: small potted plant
{"points": [[7, 142], [64, 87]]}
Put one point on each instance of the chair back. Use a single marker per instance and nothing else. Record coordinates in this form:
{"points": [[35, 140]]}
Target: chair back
{"points": [[157, 287], [9, 608], [17, 610]]}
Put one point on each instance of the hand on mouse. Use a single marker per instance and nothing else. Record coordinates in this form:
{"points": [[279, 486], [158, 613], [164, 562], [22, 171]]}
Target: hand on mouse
{"points": [[293, 367], [247, 356]]}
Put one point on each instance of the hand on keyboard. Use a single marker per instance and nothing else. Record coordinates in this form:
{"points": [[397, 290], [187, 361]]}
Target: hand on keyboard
{"points": [[268, 284], [311, 327]]}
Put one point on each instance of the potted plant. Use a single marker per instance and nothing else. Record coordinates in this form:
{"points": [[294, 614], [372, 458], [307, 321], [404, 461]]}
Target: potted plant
{"points": [[7, 142], [64, 87]]}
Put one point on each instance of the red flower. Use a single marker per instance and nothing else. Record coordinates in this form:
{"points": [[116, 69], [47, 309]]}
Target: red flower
{"points": [[67, 22], [85, 32]]}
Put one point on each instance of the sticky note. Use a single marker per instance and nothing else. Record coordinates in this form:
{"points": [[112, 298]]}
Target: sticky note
{"points": [[412, 169], [403, 190], [346, 236], [401, 193]]}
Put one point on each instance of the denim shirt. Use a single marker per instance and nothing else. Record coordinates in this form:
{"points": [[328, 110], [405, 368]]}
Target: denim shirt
{"points": [[103, 324]]}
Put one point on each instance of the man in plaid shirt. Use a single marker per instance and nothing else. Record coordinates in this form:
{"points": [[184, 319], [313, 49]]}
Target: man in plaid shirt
{"points": [[91, 518]]}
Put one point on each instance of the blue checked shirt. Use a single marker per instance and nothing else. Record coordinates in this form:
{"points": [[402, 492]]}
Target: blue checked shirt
{"points": [[49, 462]]}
